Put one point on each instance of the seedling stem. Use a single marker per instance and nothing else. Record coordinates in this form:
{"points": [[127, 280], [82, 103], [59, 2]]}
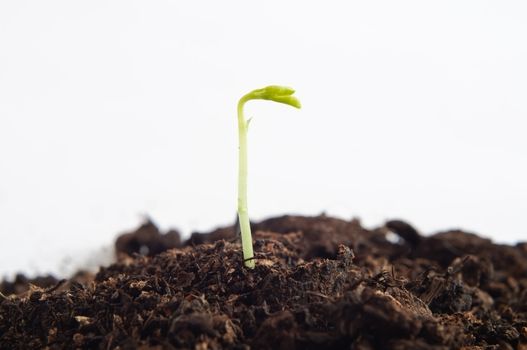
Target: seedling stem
{"points": [[275, 93]]}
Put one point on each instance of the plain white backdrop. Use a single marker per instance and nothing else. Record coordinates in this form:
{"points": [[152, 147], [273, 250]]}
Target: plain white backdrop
{"points": [[113, 110]]}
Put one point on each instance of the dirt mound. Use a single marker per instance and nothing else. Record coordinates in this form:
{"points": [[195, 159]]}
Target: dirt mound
{"points": [[319, 283]]}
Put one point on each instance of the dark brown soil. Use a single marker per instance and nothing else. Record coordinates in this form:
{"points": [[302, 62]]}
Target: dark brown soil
{"points": [[320, 283]]}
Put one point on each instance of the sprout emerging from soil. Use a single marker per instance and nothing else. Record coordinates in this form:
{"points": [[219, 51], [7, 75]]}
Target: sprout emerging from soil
{"points": [[275, 93]]}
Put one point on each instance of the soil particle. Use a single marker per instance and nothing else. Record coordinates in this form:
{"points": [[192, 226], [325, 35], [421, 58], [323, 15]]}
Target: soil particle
{"points": [[319, 283], [147, 240], [21, 284]]}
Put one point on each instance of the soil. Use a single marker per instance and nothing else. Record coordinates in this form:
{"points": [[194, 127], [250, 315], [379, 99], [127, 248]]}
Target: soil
{"points": [[319, 283]]}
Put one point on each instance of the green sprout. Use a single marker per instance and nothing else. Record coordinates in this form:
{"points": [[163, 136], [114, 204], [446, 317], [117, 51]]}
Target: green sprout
{"points": [[275, 93]]}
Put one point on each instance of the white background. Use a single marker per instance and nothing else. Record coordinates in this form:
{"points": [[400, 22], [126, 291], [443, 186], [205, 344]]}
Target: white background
{"points": [[112, 110]]}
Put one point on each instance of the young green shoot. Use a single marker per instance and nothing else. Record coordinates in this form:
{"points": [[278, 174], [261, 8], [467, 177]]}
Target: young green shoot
{"points": [[275, 93]]}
